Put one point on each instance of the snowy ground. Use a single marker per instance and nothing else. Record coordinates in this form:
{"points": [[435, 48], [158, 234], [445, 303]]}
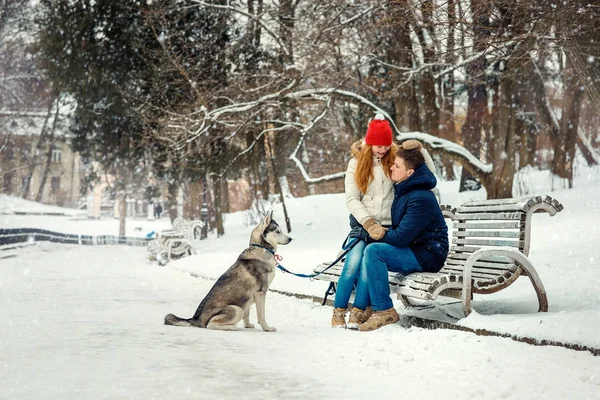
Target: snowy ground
{"points": [[86, 322]]}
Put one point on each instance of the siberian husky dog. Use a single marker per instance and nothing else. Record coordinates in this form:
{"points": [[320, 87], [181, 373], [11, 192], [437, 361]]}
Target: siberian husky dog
{"points": [[245, 283]]}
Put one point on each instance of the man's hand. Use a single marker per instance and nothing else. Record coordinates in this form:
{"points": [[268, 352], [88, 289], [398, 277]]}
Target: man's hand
{"points": [[375, 230]]}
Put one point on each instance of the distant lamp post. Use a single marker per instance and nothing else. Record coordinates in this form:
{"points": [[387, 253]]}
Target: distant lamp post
{"points": [[204, 217]]}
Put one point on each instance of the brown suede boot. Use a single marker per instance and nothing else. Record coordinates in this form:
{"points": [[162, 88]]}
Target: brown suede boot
{"points": [[367, 314], [379, 319], [338, 320], [358, 316]]}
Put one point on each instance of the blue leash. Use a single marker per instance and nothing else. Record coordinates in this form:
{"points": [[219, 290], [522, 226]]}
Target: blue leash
{"points": [[283, 269]]}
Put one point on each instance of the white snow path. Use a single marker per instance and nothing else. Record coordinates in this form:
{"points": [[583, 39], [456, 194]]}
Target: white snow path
{"points": [[87, 323]]}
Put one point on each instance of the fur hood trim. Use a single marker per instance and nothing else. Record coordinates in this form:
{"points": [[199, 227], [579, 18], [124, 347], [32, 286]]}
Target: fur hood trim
{"points": [[356, 148]]}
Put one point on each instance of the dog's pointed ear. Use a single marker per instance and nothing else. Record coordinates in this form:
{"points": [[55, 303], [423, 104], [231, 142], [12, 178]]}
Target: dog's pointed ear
{"points": [[267, 219]]}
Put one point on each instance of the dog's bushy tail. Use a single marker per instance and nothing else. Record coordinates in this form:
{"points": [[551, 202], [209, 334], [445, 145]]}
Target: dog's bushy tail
{"points": [[171, 319]]}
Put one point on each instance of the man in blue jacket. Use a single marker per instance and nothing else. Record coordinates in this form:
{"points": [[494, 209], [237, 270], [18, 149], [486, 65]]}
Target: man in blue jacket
{"points": [[417, 240]]}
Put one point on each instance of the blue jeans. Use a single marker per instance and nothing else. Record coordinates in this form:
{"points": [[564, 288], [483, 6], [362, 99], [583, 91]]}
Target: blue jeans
{"points": [[378, 259], [351, 275]]}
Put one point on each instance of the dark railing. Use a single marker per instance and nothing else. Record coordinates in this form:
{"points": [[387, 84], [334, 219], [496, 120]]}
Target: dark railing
{"points": [[22, 235]]}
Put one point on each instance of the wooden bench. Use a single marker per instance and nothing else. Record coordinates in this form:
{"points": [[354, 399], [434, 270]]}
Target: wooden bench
{"points": [[489, 250], [175, 243]]}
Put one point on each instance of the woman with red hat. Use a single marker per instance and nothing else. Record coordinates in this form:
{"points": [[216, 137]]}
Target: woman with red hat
{"points": [[369, 195]]}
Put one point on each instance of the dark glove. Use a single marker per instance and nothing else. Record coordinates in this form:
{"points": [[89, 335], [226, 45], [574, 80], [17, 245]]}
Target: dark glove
{"points": [[358, 232]]}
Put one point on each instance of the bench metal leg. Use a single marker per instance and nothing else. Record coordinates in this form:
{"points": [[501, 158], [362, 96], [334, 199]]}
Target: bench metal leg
{"points": [[537, 285], [330, 290], [405, 301], [467, 294]]}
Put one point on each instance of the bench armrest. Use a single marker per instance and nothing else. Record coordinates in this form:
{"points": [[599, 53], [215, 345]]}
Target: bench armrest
{"points": [[448, 211]]}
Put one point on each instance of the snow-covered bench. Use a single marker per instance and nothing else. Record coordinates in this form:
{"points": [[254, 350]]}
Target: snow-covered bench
{"points": [[176, 243], [489, 251], [191, 229]]}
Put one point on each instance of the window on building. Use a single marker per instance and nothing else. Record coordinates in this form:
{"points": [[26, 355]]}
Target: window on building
{"points": [[54, 185], [56, 155]]}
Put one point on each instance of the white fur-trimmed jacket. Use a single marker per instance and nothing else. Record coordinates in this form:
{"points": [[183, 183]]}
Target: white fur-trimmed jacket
{"points": [[377, 201]]}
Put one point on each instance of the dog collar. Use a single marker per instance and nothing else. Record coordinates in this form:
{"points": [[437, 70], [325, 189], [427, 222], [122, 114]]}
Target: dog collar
{"points": [[277, 256], [263, 247]]}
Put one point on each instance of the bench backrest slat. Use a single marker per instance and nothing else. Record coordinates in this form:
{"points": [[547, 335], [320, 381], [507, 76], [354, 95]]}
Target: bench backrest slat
{"points": [[507, 202], [464, 216], [491, 225], [491, 233], [488, 242]]}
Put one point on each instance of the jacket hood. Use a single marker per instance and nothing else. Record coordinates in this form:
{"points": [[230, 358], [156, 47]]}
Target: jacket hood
{"points": [[422, 178]]}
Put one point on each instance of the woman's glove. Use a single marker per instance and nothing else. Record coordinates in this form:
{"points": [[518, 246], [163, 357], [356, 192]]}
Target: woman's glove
{"points": [[375, 230]]}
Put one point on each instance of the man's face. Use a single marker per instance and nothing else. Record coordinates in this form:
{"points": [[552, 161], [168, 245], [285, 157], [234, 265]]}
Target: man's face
{"points": [[399, 171]]}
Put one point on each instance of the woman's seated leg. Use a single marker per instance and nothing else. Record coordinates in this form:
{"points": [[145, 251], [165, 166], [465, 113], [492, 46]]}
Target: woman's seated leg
{"points": [[349, 275]]}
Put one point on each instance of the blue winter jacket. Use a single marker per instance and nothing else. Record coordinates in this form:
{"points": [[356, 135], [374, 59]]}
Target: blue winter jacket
{"points": [[418, 222]]}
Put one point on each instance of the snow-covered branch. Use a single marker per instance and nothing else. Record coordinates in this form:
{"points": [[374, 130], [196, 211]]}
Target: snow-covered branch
{"points": [[326, 95], [447, 147], [301, 140], [238, 108]]}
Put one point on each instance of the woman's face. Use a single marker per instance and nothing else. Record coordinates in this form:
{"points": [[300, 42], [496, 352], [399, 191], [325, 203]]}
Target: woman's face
{"points": [[399, 171], [380, 151]]}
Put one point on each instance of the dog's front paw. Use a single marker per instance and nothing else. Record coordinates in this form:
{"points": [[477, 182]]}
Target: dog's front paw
{"points": [[269, 329], [249, 326]]}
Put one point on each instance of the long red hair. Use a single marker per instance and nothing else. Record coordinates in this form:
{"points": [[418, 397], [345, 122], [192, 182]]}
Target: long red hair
{"points": [[363, 175]]}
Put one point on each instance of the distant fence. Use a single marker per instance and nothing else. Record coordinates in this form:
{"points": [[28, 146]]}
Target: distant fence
{"points": [[22, 235]]}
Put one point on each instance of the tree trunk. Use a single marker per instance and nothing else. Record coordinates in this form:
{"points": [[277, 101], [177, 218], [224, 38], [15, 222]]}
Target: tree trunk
{"points": [[399, 52], [564, 147], [476, 91], [431, 112], [278, 187], [122, 199], [225, 205], [217, 187], [286, 141], [282, 145], [502, 147], [286, 29], [171, 203], [259, 178], [447, 125], [526, 121], [48, 157], [38, 147]]}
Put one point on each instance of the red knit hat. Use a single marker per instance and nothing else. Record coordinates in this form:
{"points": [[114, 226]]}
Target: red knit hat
{"points": [[379, 132]]}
